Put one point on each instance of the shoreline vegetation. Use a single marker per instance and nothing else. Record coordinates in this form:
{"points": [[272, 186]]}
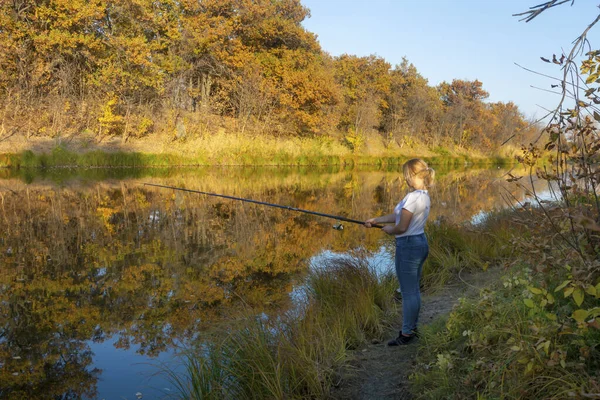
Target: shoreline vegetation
{"points": [[238, 150], [532, 334], [230, 82]]}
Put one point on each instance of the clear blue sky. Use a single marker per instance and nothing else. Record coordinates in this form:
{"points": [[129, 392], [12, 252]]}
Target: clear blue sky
{"points": [[459, 39]]}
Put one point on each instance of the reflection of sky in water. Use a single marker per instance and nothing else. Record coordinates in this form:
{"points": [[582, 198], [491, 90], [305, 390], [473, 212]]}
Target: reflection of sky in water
{"points": [[544, 195], [382, 262], [125, 373]]}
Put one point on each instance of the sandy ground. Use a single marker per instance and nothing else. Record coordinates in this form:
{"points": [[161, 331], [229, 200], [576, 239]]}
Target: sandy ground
{"points": [[381, 372]]}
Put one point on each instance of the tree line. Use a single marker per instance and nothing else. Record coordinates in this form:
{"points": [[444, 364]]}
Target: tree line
{"points": [[139, 67]]}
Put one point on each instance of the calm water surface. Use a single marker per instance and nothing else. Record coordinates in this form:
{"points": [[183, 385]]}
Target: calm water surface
{"points": [[103, 279]]}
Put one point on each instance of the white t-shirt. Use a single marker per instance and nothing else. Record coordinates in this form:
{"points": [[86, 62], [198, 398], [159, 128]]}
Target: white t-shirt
{"points": [[418, 203]]}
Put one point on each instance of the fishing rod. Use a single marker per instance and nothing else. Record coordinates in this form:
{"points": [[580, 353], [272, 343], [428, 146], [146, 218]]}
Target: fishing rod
{"points": [[338, 226]]}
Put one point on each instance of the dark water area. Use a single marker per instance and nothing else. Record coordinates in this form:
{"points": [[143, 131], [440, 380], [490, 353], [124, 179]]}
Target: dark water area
{"points": [[104, 280]]}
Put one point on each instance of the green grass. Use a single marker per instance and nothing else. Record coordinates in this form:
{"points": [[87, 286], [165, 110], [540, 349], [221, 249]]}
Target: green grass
{"points": [[229, 150], [63, 158], [60, 157], [207, 378]]}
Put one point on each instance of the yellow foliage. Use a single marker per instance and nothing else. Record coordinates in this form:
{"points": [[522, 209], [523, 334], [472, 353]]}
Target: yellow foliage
{"points": [[111, 123]]}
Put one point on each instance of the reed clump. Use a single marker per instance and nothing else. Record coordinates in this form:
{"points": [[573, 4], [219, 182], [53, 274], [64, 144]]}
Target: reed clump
{"points": [[296, 355]]}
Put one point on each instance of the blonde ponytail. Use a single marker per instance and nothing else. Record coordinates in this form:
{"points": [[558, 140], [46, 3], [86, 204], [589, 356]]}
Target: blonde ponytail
{"points": [[430, 177], [417, 168]]}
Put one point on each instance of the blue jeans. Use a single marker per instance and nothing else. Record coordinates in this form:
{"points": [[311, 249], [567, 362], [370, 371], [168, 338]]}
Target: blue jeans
{"points": [[411, 253]]}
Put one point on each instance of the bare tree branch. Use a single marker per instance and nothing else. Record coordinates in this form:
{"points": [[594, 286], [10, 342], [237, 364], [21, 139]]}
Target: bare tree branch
{"points": [[540, 8], [12, 133]]}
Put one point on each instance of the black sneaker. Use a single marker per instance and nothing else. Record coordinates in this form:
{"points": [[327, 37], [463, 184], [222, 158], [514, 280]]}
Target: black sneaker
{"points": [[401, 340]]}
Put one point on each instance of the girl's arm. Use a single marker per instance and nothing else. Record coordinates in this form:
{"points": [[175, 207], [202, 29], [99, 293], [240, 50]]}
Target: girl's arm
{"points": [[384, 219], [402, 226]]}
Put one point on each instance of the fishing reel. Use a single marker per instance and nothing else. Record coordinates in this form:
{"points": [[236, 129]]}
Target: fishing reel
{"points": [[338, 226]]}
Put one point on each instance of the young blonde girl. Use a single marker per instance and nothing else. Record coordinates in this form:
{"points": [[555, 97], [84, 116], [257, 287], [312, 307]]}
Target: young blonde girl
{"points": [[412, 249]]}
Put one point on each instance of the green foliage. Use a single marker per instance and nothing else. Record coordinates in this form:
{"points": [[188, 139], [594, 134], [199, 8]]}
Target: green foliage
{"points": [[516, 340]]}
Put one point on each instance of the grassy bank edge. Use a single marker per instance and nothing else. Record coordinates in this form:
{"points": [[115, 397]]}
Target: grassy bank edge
{"points": [[61, 157]]}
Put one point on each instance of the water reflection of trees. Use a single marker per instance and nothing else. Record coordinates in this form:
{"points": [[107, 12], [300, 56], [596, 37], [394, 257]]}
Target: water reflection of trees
{"points": [[86, 262]]}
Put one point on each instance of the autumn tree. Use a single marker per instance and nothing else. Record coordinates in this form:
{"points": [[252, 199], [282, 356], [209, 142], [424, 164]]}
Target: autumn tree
{"points": [[187, 67], [507, 121], [413, 107], [464, 108], [294, 67], [365, 81]]}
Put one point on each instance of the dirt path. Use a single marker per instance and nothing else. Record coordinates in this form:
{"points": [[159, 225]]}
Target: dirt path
{"points": [[381, 372]]}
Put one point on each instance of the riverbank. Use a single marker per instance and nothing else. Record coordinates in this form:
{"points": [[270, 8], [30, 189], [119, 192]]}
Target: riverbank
{"points": [[227, 149], [527, 329], [534, 334]]}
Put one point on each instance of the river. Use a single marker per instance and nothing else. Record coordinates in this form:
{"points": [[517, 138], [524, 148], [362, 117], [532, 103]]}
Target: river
{"points": [[104, 280]]}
